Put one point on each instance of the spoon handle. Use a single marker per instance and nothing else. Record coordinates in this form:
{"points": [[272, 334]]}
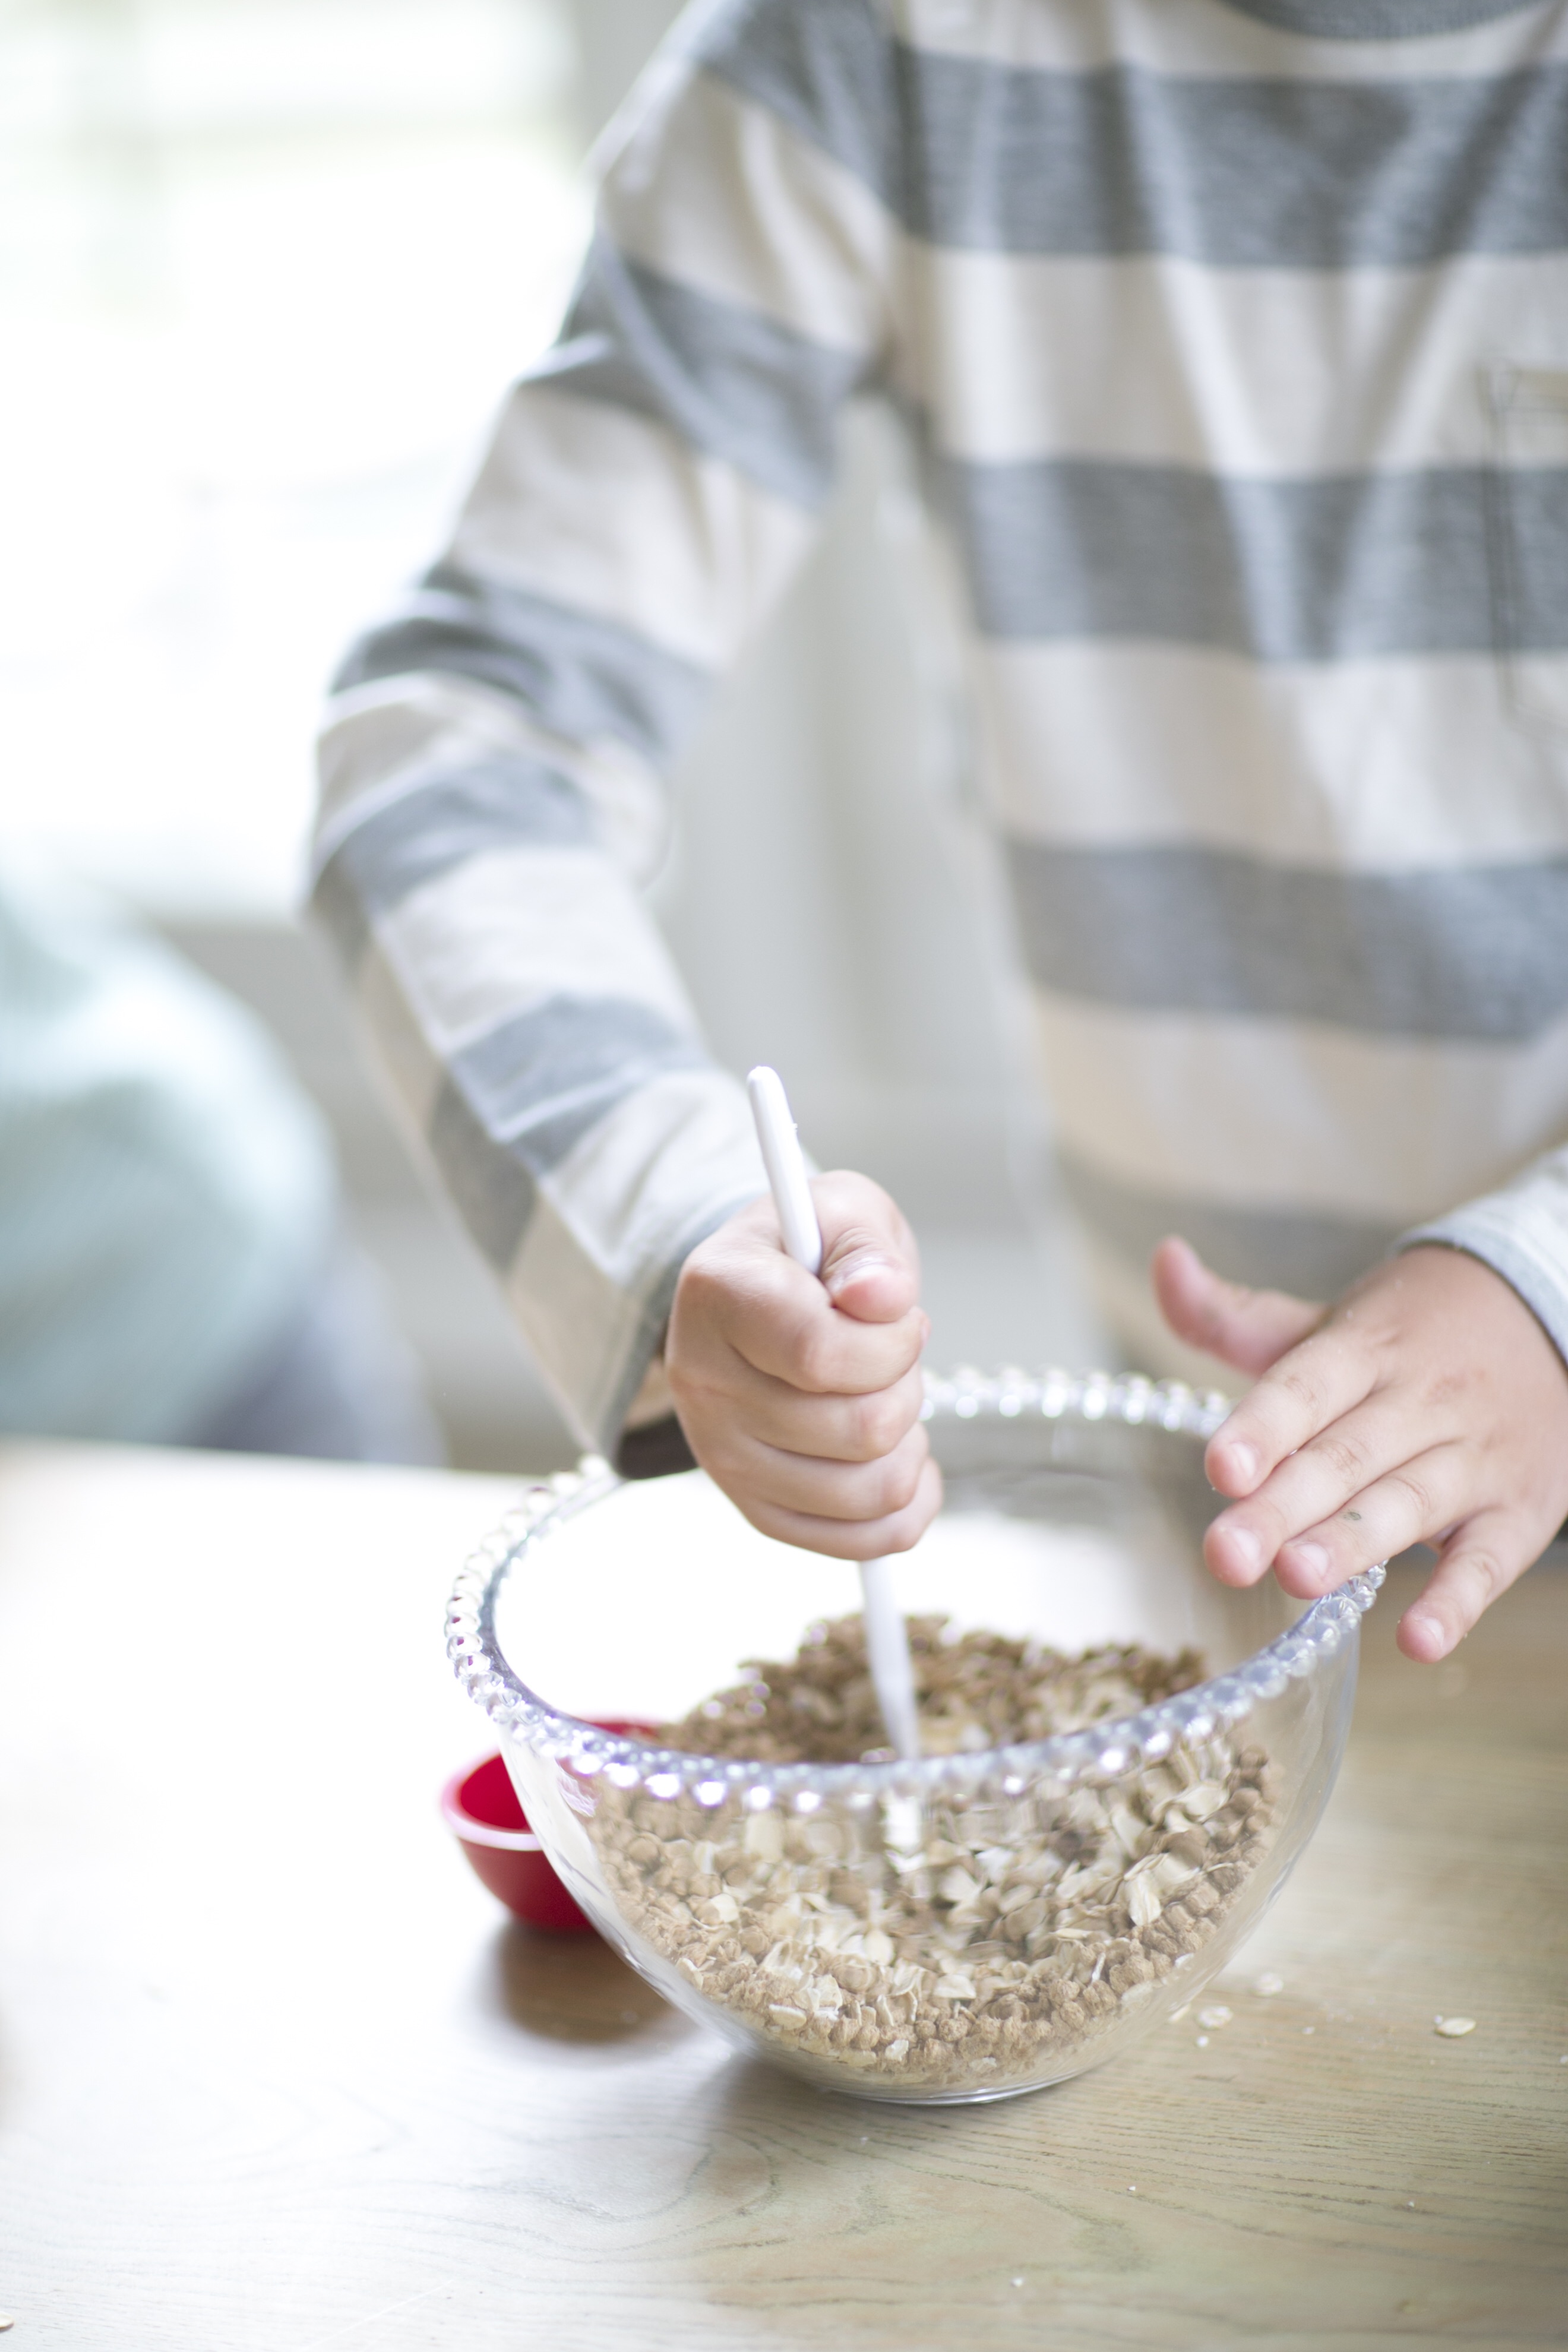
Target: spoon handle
{"points": [[887, 1635]]}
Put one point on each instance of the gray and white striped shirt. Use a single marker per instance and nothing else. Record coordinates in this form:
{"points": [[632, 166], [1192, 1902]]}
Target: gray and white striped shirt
{"points": [[1233, 340]]}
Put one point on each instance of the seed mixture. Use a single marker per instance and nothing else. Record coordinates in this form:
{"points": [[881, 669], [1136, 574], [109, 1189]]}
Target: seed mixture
{"points": [[955, 1941], [979, 1691]]}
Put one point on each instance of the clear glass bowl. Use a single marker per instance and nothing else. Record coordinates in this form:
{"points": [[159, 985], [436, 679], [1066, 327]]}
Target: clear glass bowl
{"points": [[970, 1925]]}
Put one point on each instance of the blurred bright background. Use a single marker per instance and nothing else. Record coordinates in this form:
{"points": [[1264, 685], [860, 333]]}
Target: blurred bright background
{"points": [[266, 267]]}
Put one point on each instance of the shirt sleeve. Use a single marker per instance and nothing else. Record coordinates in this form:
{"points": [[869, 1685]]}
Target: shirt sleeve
{"points": [[1520, 1231], [493, 759]]}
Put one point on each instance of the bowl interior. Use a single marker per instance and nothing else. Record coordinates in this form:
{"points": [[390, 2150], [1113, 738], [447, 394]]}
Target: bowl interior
{"points": [[652, 1599]]}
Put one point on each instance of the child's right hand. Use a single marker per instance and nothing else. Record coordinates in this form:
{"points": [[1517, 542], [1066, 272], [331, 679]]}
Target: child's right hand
{"points": [[800, 1394]]}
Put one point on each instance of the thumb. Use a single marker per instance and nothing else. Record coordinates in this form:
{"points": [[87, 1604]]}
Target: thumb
{"points": [[1248, 1328], [871, 1266]]}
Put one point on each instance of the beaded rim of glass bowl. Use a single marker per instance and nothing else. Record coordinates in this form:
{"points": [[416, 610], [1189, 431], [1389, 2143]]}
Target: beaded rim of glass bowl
{"points": [[1104, 1753]]}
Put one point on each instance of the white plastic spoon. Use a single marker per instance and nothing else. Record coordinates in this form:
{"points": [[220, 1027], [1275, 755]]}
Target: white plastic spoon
{"points": [[887, 1636]]}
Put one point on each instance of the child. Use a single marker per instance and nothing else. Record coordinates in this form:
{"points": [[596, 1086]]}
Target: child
{"points": [[1233, 339]]}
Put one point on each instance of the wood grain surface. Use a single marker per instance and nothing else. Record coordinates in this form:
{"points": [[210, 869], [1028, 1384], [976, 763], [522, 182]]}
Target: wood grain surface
{"points": [[274, 2073]]}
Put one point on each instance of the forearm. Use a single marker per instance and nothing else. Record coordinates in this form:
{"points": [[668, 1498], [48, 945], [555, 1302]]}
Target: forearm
{"points": [[533, 1030]]}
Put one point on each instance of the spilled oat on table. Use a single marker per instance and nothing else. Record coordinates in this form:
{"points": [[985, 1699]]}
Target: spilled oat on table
{"points": [[960, 1942]]}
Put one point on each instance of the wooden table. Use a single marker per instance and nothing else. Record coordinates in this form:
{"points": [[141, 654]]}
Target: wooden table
{"points": [[273, 2074]]}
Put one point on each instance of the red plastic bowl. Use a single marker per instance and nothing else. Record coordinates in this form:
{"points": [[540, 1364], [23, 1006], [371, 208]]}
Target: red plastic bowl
{"points": [[481, 1808]]}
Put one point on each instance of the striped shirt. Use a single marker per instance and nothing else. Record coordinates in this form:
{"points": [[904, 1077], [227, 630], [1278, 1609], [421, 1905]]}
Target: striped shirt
{"points": [[1233, 341]]}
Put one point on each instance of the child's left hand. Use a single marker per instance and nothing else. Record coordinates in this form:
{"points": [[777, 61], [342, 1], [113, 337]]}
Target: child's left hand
{"points": [[1427, 1406]]}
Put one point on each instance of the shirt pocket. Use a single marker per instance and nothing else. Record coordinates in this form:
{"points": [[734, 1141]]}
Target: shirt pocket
{"points": [[1528, 518]]}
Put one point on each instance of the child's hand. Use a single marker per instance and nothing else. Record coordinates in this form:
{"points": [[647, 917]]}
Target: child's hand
{"points": [[800, 1394], [1427, 1406]]}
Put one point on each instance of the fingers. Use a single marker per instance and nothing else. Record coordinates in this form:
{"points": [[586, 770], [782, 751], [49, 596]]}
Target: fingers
{"points": [[1248, 1328], [810, 1485], [1411, 1505], [1352, 1494], [871, 1266], [837, 1427], [1480, 1561], [1307, 1390], [1429, 1407], [800, 1396], [739, 1295], [1258, 1332], [849, 1538]]}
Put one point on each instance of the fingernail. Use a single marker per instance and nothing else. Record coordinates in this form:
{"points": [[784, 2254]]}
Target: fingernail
{"points": [[1241, 1459], [1311, 1560], [859, 1261], [1245, 1548]]}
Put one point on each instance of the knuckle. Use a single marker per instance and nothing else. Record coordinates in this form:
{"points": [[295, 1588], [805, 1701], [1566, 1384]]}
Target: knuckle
{"points": [[813, 1358], [897, 1482], [856, 1199], [905, 1527], [799, 1362], [903, 1530], [1446, 1387], [695, 1266], [1488, 1574], [1418, 1495], [1299, 1383], [908, 1526], [877, 1424], [704, 1278], [1343, 1455]]}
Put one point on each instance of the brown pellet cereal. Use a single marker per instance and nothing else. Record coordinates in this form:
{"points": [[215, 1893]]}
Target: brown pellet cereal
{"points": [[956, 1941], [979, 1691]]}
